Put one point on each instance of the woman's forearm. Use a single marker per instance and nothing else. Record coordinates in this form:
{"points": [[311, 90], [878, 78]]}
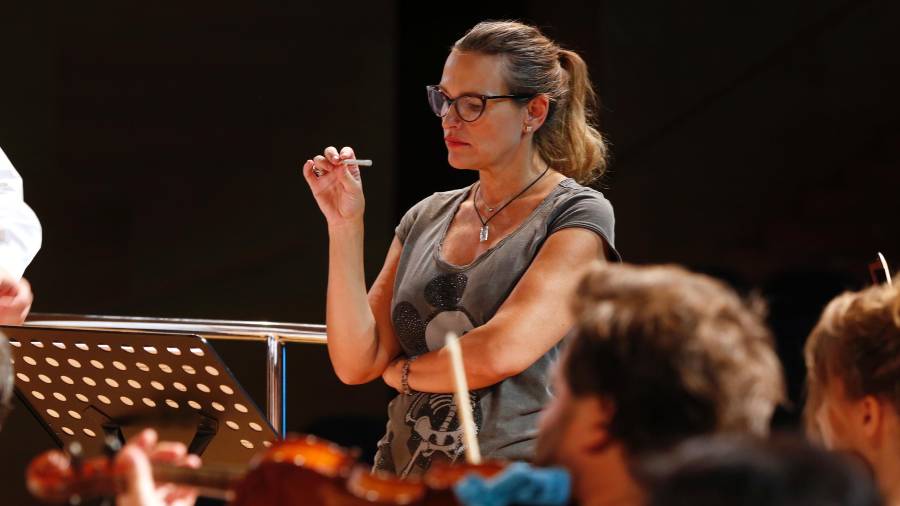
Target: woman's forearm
{"points": [[431, 372], [352, 338]]}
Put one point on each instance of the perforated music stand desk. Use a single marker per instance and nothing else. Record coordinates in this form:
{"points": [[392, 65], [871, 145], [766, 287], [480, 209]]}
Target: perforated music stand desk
{"points": [[84, 385]]}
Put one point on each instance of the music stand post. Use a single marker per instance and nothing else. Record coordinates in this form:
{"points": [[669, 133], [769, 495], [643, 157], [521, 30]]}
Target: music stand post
{"points": [[83, 385], [276, 378]]}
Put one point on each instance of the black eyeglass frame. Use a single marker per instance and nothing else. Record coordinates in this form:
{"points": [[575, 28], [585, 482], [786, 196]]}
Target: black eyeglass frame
{"points": [[451, 102]]}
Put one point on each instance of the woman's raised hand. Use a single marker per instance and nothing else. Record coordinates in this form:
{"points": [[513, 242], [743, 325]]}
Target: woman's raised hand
{"points": [[336, 187]]}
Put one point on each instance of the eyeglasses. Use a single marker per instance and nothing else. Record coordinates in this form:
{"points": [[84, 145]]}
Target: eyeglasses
{"points": [[468, 107]]}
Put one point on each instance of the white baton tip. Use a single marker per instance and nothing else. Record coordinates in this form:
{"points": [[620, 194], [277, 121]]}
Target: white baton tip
{"points": [[358, 163]]}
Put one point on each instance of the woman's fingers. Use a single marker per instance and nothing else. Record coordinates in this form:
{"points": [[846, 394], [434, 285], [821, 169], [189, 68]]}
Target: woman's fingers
{"points": [[332, 155], [349, 179], [329, 161], [348, 154], [322, 165], [308, 174], [317, 179], [336, 187]]}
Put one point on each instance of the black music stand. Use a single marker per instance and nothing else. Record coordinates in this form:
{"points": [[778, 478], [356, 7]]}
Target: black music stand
{"points": [[87, 385]]}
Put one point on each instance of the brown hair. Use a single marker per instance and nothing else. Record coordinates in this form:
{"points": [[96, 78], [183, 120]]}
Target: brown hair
{"points": [[857, 340], [746, 471], [534, 64], [678, 354]]}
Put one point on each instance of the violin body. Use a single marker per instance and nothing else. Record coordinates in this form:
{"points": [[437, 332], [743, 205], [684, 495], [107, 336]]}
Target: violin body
{"points": [[298, 471], [309, 471]]}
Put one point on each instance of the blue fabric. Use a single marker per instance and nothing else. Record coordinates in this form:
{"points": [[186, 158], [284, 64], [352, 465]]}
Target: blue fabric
{"points": [[520, 484]]}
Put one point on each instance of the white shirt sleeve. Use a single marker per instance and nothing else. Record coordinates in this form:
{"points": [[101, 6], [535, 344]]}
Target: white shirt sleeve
{"points": [[20, 230]]}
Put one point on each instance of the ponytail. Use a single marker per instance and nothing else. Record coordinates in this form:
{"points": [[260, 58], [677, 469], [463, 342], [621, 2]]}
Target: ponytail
{"points": [[573, 144], [568, 140]]}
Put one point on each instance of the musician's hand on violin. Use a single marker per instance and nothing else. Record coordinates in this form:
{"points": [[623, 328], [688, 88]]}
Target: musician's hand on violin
{"points": [[15, 299], [134, 460], [393, 375], [337, 188]]}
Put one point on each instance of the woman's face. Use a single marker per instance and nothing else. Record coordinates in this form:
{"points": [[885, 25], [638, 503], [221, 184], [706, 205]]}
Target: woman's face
{"points": [[497, 135]]}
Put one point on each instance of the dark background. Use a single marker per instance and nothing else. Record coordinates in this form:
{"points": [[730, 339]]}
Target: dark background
{"points": [[160, 147]]}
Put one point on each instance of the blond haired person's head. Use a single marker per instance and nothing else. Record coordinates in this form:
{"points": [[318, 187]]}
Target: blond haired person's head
{"points": [[853, 380]]}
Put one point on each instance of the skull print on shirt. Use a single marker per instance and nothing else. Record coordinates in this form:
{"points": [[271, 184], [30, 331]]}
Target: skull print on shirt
{"points": [[433, 424]]}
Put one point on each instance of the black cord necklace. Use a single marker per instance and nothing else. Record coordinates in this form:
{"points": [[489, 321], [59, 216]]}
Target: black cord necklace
{"points": [[483, 235]]}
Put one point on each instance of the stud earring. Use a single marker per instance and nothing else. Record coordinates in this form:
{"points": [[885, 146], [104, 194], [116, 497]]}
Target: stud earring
{"points": [[528, 128]]}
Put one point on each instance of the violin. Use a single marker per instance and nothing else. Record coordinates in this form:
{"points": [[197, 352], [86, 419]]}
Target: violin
{"points": [[301, 470]]}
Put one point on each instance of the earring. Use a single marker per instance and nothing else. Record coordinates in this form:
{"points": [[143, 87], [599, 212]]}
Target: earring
{"points": [[528, 128]]}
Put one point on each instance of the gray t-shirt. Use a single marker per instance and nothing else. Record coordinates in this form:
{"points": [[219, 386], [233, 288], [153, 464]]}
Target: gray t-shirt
{"points": [[433, 297]]}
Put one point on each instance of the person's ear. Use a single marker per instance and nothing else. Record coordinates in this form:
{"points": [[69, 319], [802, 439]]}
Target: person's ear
{"points": [[598, 413], [870, 416], [536, 113]]}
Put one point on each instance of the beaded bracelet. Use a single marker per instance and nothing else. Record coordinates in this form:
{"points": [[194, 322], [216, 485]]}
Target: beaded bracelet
{"points": [[404, 377]]}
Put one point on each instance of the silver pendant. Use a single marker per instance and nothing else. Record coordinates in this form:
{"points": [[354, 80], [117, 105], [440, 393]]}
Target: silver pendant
{"points": [[483, 236]]}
